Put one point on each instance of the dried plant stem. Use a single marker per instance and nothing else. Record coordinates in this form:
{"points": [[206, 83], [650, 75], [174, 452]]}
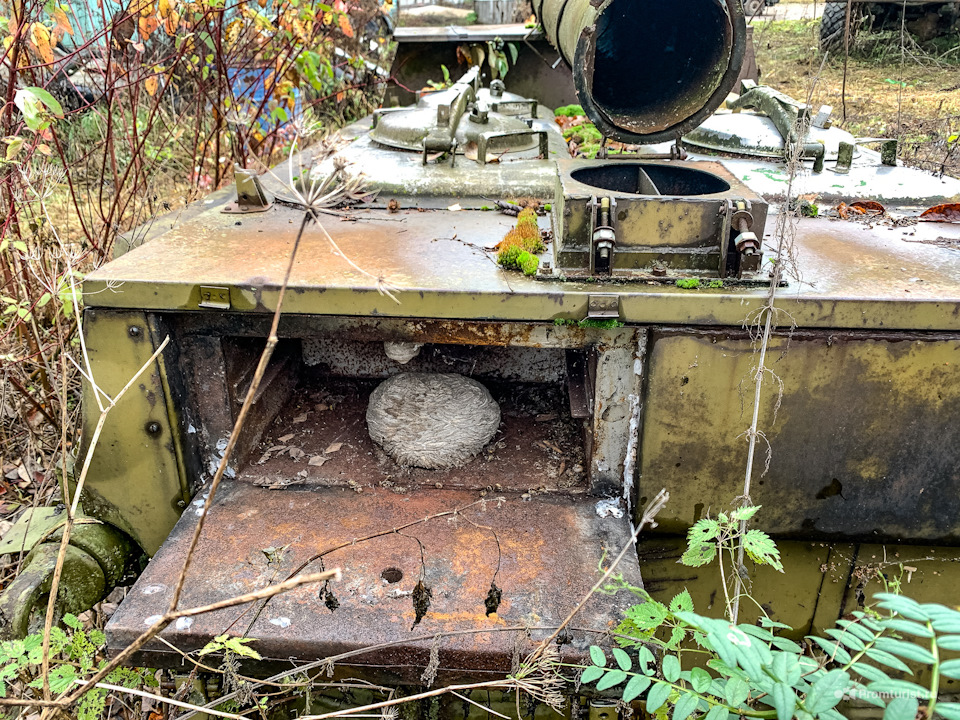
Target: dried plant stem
{"points": [[174, 615], [72, 512], [166, 701]]}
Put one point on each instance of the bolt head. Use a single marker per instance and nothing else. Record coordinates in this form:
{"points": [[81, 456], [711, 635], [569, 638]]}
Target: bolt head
{"points": [[134, 331], [153, 428]]}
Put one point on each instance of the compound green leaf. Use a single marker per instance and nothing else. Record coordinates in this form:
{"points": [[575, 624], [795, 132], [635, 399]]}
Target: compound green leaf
{"points": [[612, 678], [899, 687], [905, 606], [685, 706], [597, 656], [671, 668], [905, 649], [784, 700], [827, 691], [623, 660], [700, 679], [908, 626], [657, 697], [634, 688], [884, 658], [948, 642], [949, 710], [951, 669], [901, 708], [717, 712], [869, 671], [591, 673], [736, 692]]}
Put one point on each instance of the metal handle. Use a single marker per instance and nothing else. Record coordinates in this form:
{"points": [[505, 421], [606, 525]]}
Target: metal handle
{"points": [[486, 137]]}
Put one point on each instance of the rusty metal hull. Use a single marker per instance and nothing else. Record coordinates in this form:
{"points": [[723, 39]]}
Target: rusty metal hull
{"points": [[543, 555]]}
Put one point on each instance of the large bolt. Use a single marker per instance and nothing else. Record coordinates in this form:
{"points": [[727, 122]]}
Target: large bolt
{"points": [[134, 331], [153, 428]]}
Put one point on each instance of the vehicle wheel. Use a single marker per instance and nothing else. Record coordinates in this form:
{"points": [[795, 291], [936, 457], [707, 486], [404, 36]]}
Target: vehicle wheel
{"points": [[832, 24], [753, 7]]}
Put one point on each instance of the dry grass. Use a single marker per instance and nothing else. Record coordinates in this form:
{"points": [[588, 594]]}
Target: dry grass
{"points": [[912, 95]]}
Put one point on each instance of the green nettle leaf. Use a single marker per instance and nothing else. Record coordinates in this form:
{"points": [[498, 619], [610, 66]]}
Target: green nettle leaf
{"points": [[611, 678], [657, 697], [685, 706], [736, 692], [902, 605], [597, 656], [72, 621], [623, 660], [647, 616], [61, 679], [703, 531], [671, 668], [827, 691], [909, 627], [784, 700], [676, 637], [949, 710], [761, 549], [700, 679], [591, 673], [637, 684], [951, 669], [901, 708], [744, 513], [682, 602], [698, 555], [905, 649]]}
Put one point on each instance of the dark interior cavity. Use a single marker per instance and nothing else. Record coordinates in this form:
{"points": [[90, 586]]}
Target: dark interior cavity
{"points": [[642, 179], [657, 66]]}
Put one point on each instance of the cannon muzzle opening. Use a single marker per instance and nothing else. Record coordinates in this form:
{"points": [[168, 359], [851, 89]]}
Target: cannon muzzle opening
{"points": [[648, 72]]}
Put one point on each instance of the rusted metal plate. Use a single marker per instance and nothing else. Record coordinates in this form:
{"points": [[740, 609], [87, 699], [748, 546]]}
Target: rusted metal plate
{"points": [[543, 553], [854, 276], [863, 440]]}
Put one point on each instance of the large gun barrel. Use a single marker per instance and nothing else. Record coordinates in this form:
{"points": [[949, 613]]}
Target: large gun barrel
{"points": [[648, 71]]}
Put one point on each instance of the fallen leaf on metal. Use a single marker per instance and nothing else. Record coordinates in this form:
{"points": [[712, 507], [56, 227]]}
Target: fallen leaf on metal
{"points": [[286, 438], [948, 212], [333, 447], [300, 418], [317, 460]]}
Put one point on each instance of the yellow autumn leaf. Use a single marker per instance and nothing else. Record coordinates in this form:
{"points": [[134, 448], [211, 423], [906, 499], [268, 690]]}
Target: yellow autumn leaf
{"points": [[63, 22], [151, 85], [170, 23], [40, 40], [164, 8], [147, 26]]}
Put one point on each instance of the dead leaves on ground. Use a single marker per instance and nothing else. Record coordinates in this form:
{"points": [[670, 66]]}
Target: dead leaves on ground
{"points": [[948, 212], [861, 208]]}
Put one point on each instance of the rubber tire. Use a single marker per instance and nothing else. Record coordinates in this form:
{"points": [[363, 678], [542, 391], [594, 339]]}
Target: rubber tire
{"points": [[832, 23], [753, 7]]}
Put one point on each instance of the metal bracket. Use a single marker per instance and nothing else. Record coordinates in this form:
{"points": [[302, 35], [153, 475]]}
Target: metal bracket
{"points": [[603, 306], [251, 197], [603, 234], [214, 298]]}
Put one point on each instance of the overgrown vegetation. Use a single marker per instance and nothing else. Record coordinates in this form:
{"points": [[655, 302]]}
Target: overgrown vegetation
{"points": [[896, 87]]}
